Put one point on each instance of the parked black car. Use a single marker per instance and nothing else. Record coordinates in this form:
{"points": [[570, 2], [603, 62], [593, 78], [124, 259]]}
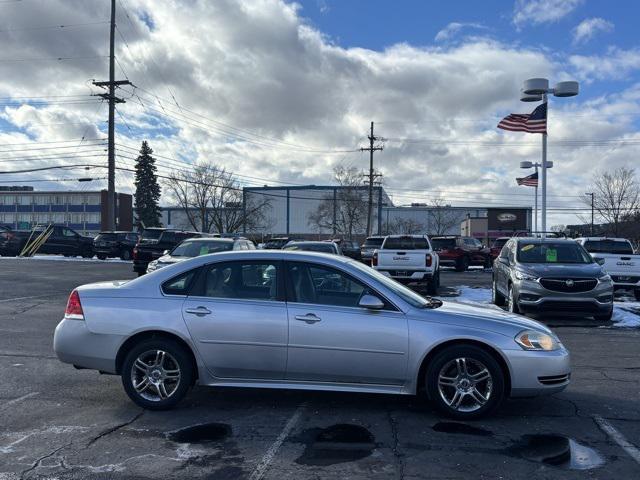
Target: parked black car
{"points": [[277, 243], [62, 241], [370, 245], [350, 248], [115, 244], [154, 242]]}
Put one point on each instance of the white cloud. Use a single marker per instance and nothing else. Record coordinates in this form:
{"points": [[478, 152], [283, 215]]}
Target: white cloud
{"points": [[589, 28], [452, 29], [542, 11], [259, 67], [616, 64]]}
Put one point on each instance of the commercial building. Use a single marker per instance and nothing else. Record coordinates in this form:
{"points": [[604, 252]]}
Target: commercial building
{"points": [[497, 222], [24, 207]]}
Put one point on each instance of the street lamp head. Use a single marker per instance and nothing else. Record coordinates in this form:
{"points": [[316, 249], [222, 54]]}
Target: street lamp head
{"points": [[525, 97], [526, 165], [566, 89], [535, 86]]}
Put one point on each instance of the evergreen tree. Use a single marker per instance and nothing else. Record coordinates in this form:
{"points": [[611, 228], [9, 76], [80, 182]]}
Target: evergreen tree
{"points": [[147, 189]]}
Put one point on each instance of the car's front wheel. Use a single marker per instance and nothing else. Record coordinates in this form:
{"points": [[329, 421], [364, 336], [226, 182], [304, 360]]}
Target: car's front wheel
{"points": [[465, 382], [512, 301], [157, 373], [496, 297], [462, 265], [604, 317]]}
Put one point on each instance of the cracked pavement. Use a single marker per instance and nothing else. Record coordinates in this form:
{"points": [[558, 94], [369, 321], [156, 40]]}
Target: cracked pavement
{"points": [[60, 423]]}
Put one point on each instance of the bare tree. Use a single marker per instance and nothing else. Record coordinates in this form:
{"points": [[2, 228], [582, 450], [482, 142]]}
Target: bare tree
{"points": [[346, 214], [616, 196], [442, 218], [406, 226], [212, 200]]}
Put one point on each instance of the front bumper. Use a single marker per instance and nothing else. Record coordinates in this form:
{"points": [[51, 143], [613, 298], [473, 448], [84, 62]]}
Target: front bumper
{"points": [[538, 373], [534, 298], [75, 344]]}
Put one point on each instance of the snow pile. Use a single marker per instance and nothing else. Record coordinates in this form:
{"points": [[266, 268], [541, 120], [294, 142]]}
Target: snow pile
{"points": [[626, 312], [61, 258]]}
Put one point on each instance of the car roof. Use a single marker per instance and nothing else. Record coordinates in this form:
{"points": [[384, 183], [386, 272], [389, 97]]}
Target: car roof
{"points": [[599, 239], [212, 239], [408, 235], [544, 240]]}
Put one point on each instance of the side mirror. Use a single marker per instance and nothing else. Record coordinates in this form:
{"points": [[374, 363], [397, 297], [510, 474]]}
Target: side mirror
{"points": [[371, 302], [599, 260], [504, 260], [166, 252]]}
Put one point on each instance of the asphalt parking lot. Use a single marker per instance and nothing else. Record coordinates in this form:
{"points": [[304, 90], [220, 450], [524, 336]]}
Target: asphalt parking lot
{"points": [[57, 422]]}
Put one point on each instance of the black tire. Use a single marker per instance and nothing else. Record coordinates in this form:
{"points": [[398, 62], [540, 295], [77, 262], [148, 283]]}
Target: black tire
{"points": [[487, 262], [86, 252], [497, 298], [512, 303], [125, 254], [176, 358], [434, 283], [462, 265], [604, 318], [102, 256], [475, 358]]}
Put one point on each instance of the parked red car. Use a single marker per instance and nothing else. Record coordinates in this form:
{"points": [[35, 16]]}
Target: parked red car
{"points": [[496, 248], [461, 252]]}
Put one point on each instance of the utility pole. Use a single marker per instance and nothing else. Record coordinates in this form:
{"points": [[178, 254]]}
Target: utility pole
{"points": [[111, 97], [592, 194], [372, 175]]}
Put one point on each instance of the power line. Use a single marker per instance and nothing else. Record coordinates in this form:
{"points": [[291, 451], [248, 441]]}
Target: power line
{"points": [[58, 59], [49, 27]]}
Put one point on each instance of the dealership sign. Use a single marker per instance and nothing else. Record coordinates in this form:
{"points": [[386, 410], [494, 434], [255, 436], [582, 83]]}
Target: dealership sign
{"points": [[507, 217]]}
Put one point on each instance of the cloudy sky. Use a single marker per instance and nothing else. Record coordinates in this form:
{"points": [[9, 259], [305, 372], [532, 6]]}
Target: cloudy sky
{"points": [[281, 92]]}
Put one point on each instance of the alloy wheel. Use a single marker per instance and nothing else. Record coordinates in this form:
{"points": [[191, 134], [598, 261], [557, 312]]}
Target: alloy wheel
{"points": [[465, 384], [155, 375]]}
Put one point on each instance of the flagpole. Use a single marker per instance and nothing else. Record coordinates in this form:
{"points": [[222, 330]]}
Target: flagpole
{"points": [[535, 218], [544, 171]]}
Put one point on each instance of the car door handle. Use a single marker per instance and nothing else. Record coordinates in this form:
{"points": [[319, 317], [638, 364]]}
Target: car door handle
{"points": [[200, 311], [310, 318]]}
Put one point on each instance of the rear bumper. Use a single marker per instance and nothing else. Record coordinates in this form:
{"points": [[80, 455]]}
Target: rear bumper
{"points": [[538, 373], [409, 276], [75, 344]]}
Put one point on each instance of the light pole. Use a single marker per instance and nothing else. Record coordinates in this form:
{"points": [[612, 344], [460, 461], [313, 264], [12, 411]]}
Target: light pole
{"points": [[592, 194], [536, 90], [536, 165]]}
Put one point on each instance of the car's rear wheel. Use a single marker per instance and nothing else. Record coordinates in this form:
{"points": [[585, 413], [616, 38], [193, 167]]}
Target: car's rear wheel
{"points": [[157, 373], [465, 382], [86, 252], [102, 257], [512, 301], [432, 286], [125, 254], [496, 297], [462, 265]]}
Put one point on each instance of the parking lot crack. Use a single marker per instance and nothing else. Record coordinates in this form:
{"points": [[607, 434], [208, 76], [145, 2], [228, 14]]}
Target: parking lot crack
{"points": [[398, 456], [113, 429], [39, 460]]}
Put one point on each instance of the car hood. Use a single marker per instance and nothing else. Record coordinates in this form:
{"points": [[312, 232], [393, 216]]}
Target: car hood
{"points": [[168, 259], [591, 270], [486, 318]]}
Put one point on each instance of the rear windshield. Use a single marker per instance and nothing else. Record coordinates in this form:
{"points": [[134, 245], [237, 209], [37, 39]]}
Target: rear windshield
{"points": [[406, 243], [373, 242], [312, 247], [151, 234], [107, 236], [608, 246], [195, 248], [499, 243], [552, 253], [443, 243]]}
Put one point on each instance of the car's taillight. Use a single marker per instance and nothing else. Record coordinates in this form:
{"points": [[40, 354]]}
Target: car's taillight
{"points": [[429, 259], [74, 307], [374, 259], [135, 253]]}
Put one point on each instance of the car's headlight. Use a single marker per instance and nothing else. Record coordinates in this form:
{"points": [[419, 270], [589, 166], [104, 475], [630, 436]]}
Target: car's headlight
{"points": [[152, 266], [520, 275], [605, 278], [534, 340]]}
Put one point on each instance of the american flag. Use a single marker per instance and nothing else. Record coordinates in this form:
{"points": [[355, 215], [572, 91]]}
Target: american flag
{"points": [[529, 180], [536, 122]]}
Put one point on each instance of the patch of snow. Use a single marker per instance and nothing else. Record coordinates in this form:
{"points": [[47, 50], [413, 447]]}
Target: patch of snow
{"points": [[626, 315], [61, 258], [480, 297]]}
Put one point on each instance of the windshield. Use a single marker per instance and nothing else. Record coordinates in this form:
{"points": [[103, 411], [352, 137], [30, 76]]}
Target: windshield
{"points": [[151, 234], [443, 243], [609, 246], [499, 243], [552, 253], [406, 243], [373, 242], [408, 295], [195, 248], [312, 247], [107, 236]]}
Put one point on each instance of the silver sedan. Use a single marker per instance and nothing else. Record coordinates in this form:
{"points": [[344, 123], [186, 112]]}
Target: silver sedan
{"points": [[301, 320]]}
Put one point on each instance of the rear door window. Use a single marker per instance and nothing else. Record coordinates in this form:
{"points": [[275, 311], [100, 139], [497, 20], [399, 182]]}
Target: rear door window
{"points": [[251, 280], [181, 284]]}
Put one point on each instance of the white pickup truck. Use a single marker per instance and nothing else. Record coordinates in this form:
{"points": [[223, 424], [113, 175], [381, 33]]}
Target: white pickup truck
{"points": [[409, 259], [618, 260]]}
